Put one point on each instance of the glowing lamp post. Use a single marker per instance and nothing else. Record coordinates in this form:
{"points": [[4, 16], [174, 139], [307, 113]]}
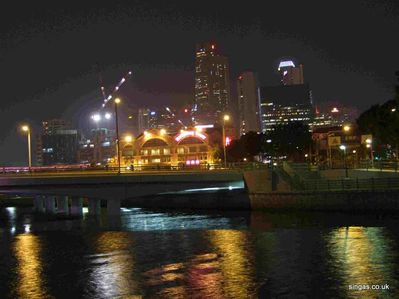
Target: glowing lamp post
{"points": [[27, 130], [116, 103], [343, 148], [369, 144], [347, 128], [128, 139], [225, 118]]}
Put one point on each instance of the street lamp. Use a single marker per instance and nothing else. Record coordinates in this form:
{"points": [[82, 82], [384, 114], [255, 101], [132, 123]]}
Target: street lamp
{"points": [[26, 128], [369, 144], [343, 148], [128, 138], [116, 103], [347, 128], [226, 117], [96, 117]]}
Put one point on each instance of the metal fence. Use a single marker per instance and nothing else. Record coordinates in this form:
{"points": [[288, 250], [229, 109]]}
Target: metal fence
{"points": [[351, 184], [379, 165]]}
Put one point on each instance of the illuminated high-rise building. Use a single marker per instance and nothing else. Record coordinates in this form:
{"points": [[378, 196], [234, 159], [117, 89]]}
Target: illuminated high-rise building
{"points": [[283, 104], [291, 74], [212, 85], [143, 119], [57, 143], [248, 103]]}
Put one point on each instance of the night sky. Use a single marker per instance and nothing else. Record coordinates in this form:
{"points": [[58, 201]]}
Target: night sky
{"points": [[53, 56]]}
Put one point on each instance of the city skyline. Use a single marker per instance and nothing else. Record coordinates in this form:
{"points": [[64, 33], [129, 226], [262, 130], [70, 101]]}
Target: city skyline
{"points": [[46, 60], [199, 149]]}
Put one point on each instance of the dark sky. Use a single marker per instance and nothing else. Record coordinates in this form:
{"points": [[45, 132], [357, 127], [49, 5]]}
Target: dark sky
{"points": [[52, 56]]}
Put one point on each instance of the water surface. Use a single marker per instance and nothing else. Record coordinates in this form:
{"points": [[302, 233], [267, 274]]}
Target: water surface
{"points": [[158, 254]]}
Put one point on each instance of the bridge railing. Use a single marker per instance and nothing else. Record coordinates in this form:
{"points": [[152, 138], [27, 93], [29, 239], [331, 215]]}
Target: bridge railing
{"points": [[381, 165], [391, 183], [129, 169]]}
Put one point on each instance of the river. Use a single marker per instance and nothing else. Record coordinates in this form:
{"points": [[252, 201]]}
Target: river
{"points": [[182, 254]]}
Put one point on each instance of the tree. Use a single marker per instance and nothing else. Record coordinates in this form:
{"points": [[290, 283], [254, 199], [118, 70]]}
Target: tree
{"points": [[382, 121], [248, 146], [251, 143], [235, 151], [292, 140]]}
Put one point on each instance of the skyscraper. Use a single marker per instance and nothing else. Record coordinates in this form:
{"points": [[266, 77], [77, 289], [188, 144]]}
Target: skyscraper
{"points": [[248, 103], [283, 104], [143, 119], [212, 85], [58, 143], [291, 74]]}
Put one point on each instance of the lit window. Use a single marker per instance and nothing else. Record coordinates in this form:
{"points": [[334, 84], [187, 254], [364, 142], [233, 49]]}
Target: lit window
{"points": [[155, 151]]}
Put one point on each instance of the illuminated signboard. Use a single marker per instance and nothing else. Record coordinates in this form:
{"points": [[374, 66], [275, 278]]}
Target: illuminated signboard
{"points": [[204, 126], [185, 134], [287, 63]]}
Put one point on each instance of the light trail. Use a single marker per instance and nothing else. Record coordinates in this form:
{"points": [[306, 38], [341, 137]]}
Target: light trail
{"points": [[116, 88]]}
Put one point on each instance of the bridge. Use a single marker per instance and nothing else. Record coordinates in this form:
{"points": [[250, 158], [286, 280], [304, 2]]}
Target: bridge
{"points": [[298, 186], [63, 192]]}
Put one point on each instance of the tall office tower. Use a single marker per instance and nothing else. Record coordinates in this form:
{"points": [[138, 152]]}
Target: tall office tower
{"points": [[143, 119], [291, 74], [212, 85], [53, 125], [283, 104], [58, 143], [99, 149], [248, 103]]}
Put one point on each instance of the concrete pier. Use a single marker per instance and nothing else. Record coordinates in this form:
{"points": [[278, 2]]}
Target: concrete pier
{"points": [[338, 201], [114, 207], [94, 206], [50, 204], [77, 206], [38, 204], [62, 205]]}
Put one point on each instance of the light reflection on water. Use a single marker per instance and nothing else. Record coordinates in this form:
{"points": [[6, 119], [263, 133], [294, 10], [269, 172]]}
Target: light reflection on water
{"points": [[183, 255], [362, 256], [236, 266], [112, 267], [27, 251]]}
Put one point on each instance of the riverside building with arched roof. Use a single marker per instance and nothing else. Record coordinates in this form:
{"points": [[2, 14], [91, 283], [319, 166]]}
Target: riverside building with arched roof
{"points": [[156, 148]]}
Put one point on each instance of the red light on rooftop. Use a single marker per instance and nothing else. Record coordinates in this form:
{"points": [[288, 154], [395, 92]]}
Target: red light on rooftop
{"points": [[186, 110], [240, 78], [213, 47]]}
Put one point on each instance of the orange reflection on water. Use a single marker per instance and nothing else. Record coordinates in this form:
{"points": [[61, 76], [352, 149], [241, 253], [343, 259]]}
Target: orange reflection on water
{"points": [[235, 263], [113, 266], [27, 251], [176, 292], [359, 255]]}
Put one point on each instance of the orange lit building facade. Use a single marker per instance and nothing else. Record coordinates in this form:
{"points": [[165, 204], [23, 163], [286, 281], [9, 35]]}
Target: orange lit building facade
{"points": [[188, 148]]}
